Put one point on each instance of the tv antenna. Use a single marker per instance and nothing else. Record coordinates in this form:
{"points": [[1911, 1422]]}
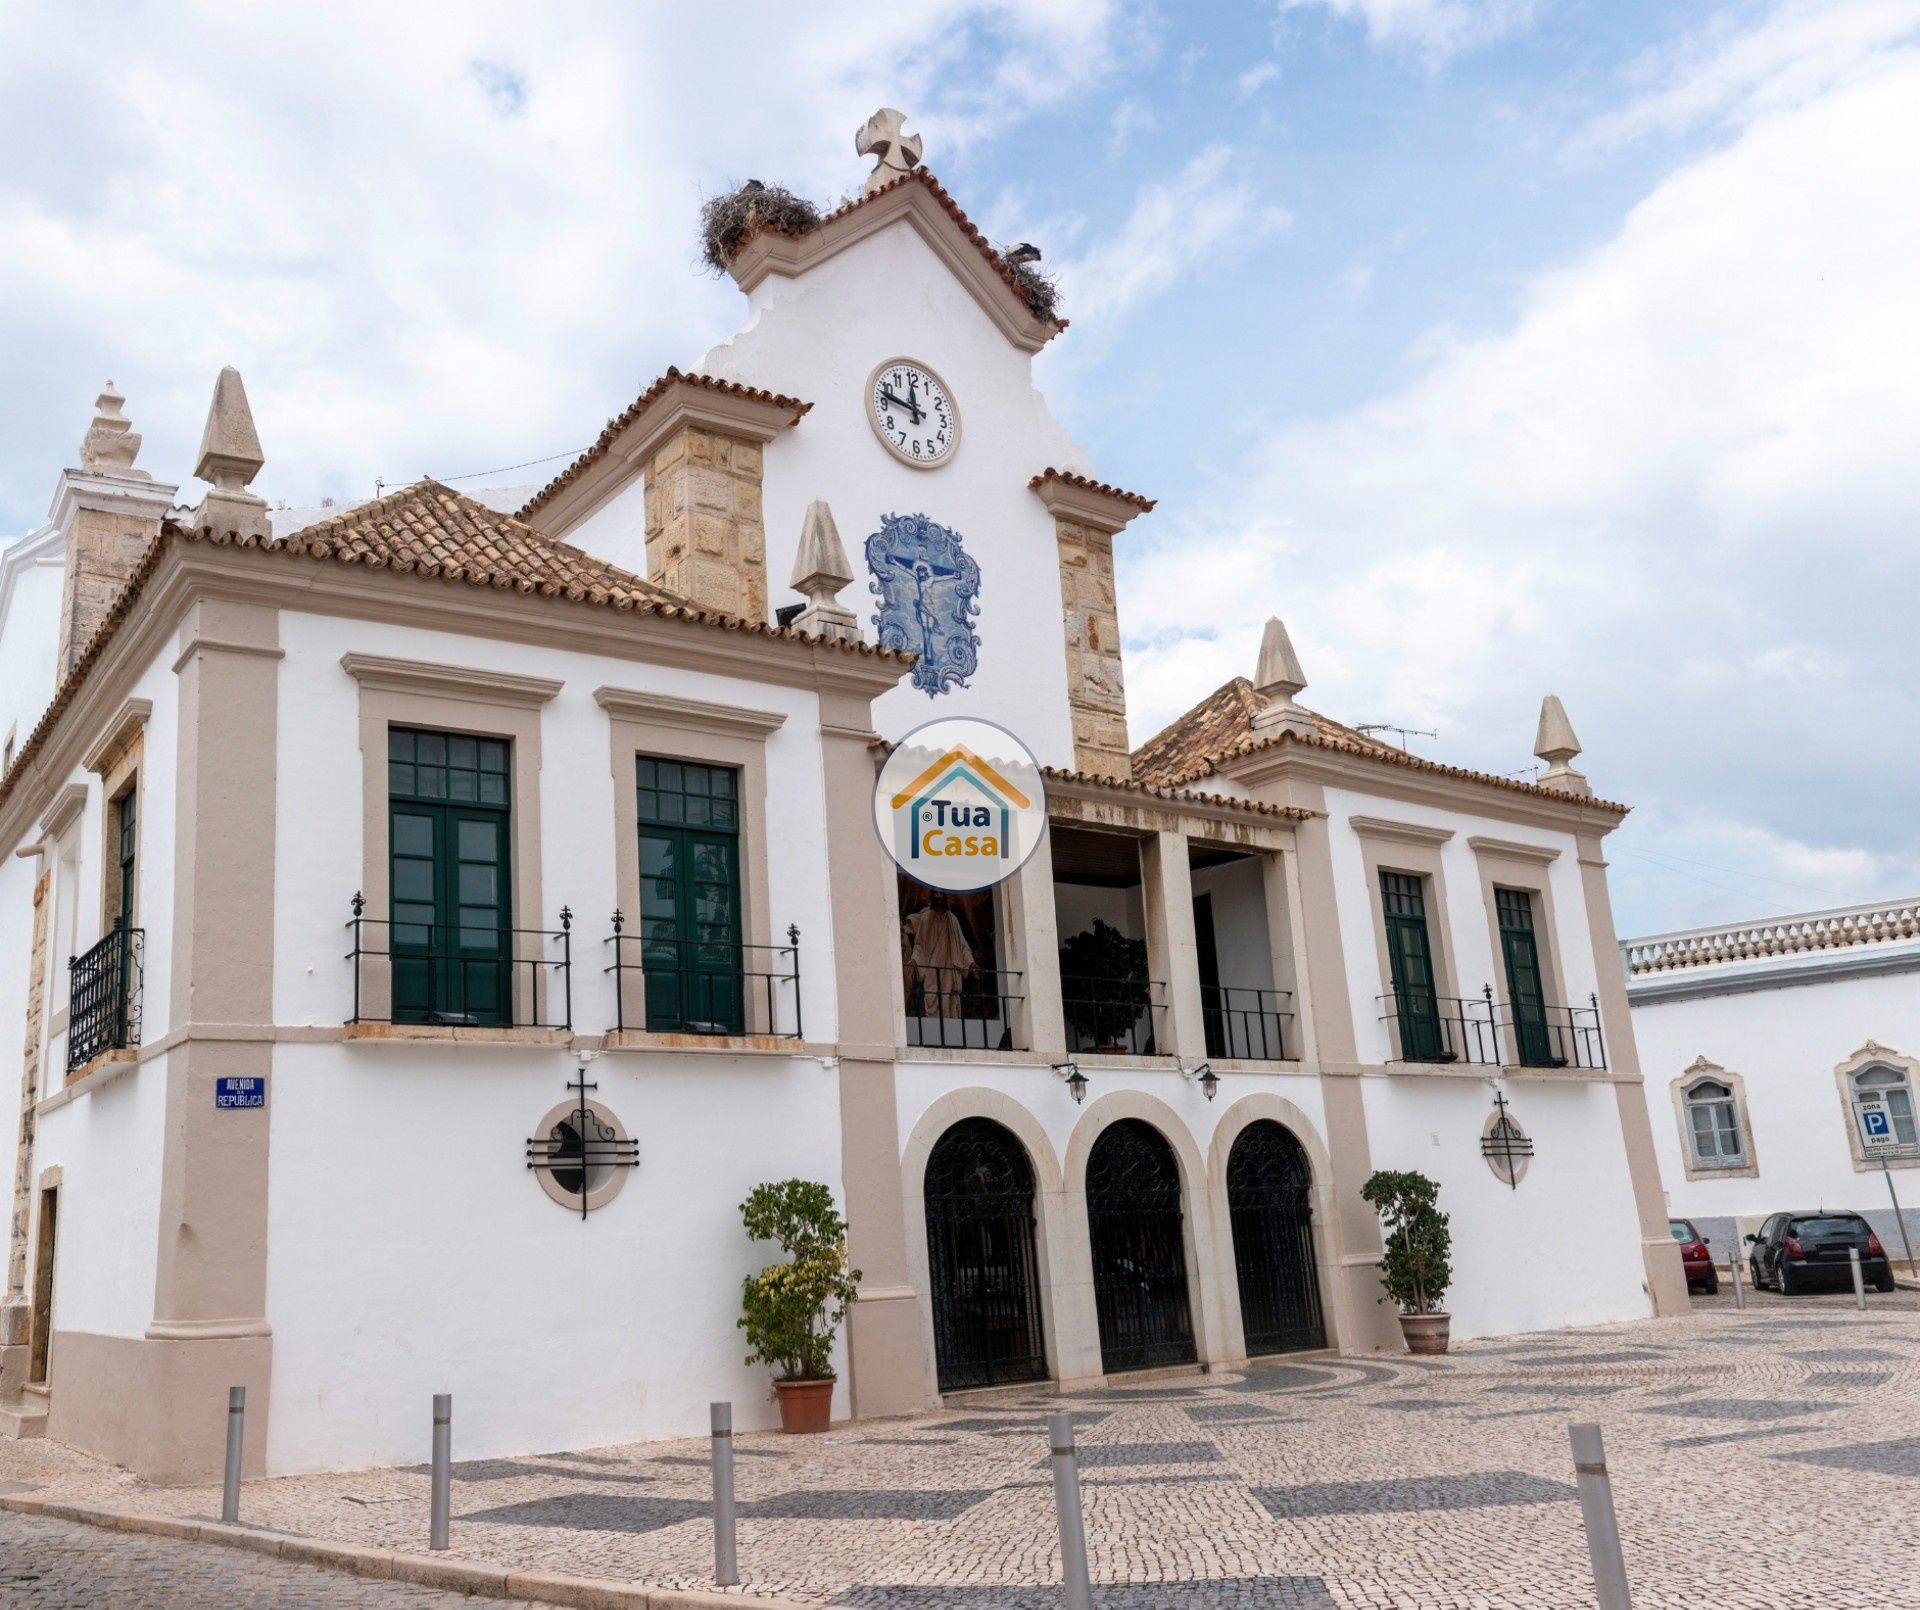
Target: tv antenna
{"points": [[1402, 733]]}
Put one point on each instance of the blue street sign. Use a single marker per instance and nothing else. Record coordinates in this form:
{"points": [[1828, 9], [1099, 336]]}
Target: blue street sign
{"points": [[240, 1092]]}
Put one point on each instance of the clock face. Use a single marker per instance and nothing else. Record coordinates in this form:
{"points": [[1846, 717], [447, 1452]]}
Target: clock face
{"points": [[913, 413]]}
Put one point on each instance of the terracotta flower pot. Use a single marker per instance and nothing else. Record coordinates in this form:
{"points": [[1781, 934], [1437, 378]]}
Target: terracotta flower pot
{"points": [[1425, 1333], [805, 1405]]}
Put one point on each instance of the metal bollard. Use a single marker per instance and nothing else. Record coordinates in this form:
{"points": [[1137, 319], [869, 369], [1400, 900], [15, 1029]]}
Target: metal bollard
{"points": [[1859, 1285], [1596, 1511], [726, 1558], [442, 1470], [1066, 1501], [1739, 1291], [236, 1439]]}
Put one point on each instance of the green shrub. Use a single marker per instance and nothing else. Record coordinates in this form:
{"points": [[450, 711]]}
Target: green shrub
{"points": [[1418, 1265], [791, 1311]]}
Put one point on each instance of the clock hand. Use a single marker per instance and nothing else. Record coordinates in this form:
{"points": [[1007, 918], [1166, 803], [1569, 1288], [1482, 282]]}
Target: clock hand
{"points": [[886, 394]]}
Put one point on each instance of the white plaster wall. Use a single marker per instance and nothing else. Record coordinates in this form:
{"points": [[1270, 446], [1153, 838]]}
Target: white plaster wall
{"points": [[30, 638], [411, 1251], [1239, 905], [1785, 1043], [1463, 928], [818, 338], [318, 861], [1563, 1249]]}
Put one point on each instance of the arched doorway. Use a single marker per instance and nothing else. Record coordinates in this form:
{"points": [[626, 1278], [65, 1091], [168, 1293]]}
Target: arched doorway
{"points": [[980, 1259], [1139, 1254], [1270, 1196]]}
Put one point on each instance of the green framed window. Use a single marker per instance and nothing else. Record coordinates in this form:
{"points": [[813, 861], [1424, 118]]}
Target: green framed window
{"points": [[1403, 902], [690, 922], [448, 863], [1526, 989], [127, 839]]}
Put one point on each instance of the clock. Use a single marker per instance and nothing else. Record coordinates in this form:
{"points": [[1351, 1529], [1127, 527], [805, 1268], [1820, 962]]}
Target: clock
{"points": [[912, 411]]}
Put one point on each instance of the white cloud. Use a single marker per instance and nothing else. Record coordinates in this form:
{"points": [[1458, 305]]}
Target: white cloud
{"points": [[419, 230], [1257, 77], [1436, 29], [1679, 489]]}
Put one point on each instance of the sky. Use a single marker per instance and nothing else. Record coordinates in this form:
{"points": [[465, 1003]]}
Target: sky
{"points": [[1498, 346]]}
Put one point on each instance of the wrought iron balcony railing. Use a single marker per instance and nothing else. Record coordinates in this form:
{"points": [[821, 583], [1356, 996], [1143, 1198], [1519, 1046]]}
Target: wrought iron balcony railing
{"points": [[1441, 1028], [1554, 1036], [1245, 1022], [1121, 1016], [966, 1009], [669, 985], [461, 975], [103, 996]]}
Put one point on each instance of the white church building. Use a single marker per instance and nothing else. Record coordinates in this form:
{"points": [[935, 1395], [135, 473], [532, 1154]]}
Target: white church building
{"points": [[336, 861]]}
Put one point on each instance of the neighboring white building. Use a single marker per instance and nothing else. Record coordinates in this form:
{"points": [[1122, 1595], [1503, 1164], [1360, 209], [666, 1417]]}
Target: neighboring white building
{"points": [[1764, 1036], [387, 822]]}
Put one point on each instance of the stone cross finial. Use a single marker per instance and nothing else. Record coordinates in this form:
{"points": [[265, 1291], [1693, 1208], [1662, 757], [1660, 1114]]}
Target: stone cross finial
{"points": [[1555, 743], [111, 443], [894, 153], [820, 570], [1277, 679], [230, 458]]}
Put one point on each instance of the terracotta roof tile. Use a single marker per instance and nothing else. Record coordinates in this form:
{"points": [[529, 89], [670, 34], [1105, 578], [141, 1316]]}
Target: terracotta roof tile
{"points": [[1128, 785], [953, 210], [1220, 728], [639, 405], [434, 532], [1086, 483]]}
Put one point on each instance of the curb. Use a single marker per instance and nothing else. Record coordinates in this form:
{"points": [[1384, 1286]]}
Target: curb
{"points": [[447, 1572]]}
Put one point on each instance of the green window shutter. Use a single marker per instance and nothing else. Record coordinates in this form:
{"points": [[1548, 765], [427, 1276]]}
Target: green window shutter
{"points": [[1525, 989], [448, 847], [1403, 900], [690, 922]]}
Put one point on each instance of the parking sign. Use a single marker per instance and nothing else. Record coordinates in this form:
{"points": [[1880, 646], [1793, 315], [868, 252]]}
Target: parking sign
{"points": [[1876, 1127]]}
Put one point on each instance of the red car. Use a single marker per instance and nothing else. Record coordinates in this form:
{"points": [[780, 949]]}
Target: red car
{"points": [[1694, 1256]]}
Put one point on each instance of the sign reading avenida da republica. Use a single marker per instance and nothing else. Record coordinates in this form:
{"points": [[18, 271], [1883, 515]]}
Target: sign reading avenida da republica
{"points": [[960, 804]]}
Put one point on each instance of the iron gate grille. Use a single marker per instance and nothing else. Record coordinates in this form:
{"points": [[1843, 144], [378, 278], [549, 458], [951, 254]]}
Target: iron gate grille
{"points": [[1139, 1257], [1269, 1193], [986, 1294]]}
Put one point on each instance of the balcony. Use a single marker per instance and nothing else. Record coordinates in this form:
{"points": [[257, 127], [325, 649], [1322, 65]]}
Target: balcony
{"points": [[1555, 1036], [1114, 1016], [460, 975], [1248, 1023], [103, 997], [1425, 1027], [664, 984], [962, 1009]]}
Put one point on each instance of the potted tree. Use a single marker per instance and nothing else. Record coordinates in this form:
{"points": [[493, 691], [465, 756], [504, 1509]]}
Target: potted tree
{"points": [[1104, 989], [791, 1311], [1417, 1268]]}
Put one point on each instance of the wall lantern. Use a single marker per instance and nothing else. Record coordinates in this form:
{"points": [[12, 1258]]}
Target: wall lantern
{"points": [[1204, 1076], [1076, 1080]]}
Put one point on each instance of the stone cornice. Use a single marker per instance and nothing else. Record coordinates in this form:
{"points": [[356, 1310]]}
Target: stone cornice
{"points": [[1514, 850], [67, 804], [448, 681], [698, 715], [1105, 509], [119, 732], [113, 494], [908, 200], [1378, 827]]}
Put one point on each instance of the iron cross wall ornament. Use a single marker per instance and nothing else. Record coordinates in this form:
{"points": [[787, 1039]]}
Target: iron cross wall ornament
{"points": [[1506, 1145], [929, 592], [592, 1144]]}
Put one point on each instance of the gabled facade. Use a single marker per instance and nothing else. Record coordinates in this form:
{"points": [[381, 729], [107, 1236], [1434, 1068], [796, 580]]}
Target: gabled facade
{"points": [[466, 910]]}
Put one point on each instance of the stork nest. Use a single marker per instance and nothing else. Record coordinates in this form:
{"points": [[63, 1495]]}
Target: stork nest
{"points": [[727, 222], [1037, 290]]}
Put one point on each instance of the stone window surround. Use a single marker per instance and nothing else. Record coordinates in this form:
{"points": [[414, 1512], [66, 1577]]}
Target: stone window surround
{"points": [[449, 698], [1870, 1055], [1412, 848], [1749, 1166], [1509, 864], [59, 820], [678, 728], [600, 1195], [115, 759]]}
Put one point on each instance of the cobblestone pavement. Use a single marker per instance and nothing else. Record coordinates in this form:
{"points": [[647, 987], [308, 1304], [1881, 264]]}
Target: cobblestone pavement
{"points": [[51, 1565], [1316, 1481]]}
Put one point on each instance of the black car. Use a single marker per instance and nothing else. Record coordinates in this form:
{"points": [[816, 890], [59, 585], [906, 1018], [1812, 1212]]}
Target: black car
{"points": [[1797, 1251]]}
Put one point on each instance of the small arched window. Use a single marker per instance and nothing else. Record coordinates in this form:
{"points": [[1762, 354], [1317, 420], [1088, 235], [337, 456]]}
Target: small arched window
{"points": [[1713, 1125], [1891, 1085]]}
